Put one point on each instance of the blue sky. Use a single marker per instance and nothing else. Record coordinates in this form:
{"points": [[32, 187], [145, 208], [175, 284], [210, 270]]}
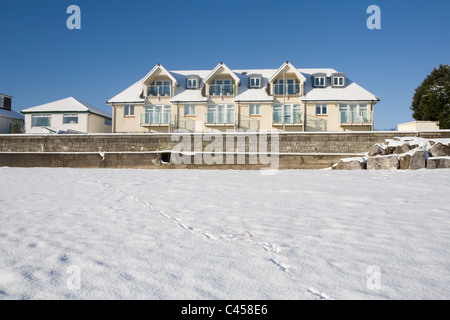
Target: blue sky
{"points": [[41, 60]]}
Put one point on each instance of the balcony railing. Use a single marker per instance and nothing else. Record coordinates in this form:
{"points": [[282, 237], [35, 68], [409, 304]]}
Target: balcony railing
{"points": [[292, 118], [219, 118], [288, 89], [222, 90], [159, 90], [157, 118], [249, 123], [354, 118]]}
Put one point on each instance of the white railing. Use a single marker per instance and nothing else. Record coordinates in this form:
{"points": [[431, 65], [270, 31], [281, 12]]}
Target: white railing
{"points": [[156, 118]]}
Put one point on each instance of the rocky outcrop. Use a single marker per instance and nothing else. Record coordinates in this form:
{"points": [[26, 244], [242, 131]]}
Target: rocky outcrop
{"points": [[350, 164], [408, 153], [389, 162], [438, 163]]}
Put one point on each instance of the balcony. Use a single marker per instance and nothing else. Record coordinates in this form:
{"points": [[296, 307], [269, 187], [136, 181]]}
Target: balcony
{"points": [[290, 118], [348, 118], [159, 90], [221, 118], [149, 119], [222, 90], [288, 89]]}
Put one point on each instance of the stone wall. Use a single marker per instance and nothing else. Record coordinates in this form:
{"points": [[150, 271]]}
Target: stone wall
{"points": [[297, 150]]}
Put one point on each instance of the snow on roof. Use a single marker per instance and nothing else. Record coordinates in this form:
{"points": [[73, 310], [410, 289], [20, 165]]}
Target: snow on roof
{"points": [[351, 92], [10, 114], [290, 66], [67, 105]]}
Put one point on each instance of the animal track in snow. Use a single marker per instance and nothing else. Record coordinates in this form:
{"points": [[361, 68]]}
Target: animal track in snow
{"points": [[321, 295]]}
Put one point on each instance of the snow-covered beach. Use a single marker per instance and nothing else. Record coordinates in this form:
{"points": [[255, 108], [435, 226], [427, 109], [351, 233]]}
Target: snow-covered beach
{"points": [[199, 234]]}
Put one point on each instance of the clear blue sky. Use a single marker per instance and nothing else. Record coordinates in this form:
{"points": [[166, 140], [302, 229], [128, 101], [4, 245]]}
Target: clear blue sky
{"points": [[120, 41]]}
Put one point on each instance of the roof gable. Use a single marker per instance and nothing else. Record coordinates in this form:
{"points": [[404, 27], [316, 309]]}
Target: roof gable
{"points": [[160, 69], [219, 67], [289, 66]]}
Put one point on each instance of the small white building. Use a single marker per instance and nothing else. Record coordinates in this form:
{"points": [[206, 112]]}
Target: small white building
{"points": [[69, 115], [7, 116], [418, 126]]}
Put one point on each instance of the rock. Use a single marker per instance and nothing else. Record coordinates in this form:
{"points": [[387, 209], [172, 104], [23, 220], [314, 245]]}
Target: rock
{"points": [[350, 164], [404, 161], [418, 160], [389, 162], [438, 163], [401, 149], [377, 149], [440, 150]]}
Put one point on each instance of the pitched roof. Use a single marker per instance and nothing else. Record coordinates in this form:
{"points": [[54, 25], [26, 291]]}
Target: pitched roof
{"points": [[351, 92], [290, 66], [68, 105], [10, 114], [224, 66], [160, 67]]}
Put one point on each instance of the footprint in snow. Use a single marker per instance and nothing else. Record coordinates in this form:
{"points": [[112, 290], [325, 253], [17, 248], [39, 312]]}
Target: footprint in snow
{"points": [[321, 295], [283, 267]]}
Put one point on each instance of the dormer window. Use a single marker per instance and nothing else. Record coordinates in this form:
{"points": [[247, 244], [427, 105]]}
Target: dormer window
{"points": [[338, 80], [192, 82], [319, 80], [255, 81]]}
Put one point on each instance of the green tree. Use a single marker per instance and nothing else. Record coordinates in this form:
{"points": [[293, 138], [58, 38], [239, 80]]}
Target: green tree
{"points": [[431, 101]]}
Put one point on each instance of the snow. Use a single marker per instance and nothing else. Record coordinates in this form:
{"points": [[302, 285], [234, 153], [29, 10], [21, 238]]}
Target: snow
{"points": [[67, 105], [11, 114], [224, 234]]}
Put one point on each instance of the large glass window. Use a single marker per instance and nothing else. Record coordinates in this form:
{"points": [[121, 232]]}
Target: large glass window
{"points": [[158, 114], [159, 88], [354, 113], [224, 87], [221, 114], [288, 86], [289, 114], [70, 118], [41, 120]]}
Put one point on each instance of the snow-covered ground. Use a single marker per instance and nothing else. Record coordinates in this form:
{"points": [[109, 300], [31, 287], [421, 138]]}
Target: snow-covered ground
{"points": [[193, 234]]}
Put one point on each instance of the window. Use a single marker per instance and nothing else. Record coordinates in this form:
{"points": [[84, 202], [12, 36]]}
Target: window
{"points": [[224, 87], [192, 83], [70, 118], [189, 110], [40, 120], [128, 111], [321, 109], [354, 113], [157, 115], [159, 88], [108, 122], [319, 81], [255, 82], [222, 114], [255, 109], [292, 113], [289, 86], [338, 81]]}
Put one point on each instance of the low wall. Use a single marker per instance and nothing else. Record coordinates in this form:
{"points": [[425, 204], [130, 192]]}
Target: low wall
{"points": [[294, 150]]}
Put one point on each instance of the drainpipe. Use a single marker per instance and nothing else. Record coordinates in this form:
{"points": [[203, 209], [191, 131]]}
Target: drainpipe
{"points": [[114, 119], [304, 117], [284, 98], [239, 116]]}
